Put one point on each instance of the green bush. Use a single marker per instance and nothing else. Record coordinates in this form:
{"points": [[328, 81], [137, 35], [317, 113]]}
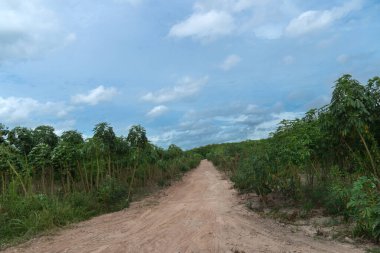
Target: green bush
{"points": [[376, 223], [253, 174], [336, 199], [364, 206], [112, 195]]}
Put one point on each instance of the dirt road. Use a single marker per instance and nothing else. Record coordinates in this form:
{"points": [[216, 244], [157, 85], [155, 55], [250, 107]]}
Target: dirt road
{"points": [[199, 214]]}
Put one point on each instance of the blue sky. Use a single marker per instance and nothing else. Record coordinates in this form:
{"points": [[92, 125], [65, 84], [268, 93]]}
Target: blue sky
{"points": [[192, 72]]}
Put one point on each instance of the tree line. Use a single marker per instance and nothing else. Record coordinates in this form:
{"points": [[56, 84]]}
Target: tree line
{"points": [[43, 174], [330, 158]]}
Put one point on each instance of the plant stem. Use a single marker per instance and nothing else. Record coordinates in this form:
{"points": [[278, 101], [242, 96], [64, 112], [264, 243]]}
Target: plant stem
{"points": [[369, 154], [19, 178]]}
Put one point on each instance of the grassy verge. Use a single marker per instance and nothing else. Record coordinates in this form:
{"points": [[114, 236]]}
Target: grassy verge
{"points": [[22, 217]]}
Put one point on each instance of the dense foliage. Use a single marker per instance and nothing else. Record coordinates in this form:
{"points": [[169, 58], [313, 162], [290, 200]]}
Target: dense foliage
{"points": [[329, 158], [48, 181]]}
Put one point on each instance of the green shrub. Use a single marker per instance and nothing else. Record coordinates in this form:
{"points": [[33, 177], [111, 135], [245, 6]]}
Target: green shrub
{"points": [[376, 224], [364, 206], [253, 174], [112, 195]]}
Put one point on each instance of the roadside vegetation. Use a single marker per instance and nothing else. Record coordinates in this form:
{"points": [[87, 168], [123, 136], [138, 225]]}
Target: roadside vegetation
{"points": [[49, 181], [328, 159]]}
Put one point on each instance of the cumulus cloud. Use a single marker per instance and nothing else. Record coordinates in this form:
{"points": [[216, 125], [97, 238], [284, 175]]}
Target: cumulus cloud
{"points": [[157, 111], [269, 19], [210, 19], [216, 18], [186, 87], [312, 20], [95, 96], [204, 25], [20, 109], [230, 62], [28, 28]]}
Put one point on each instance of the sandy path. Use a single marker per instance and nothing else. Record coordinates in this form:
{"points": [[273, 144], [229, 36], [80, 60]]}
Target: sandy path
{"points": [[199, 214]]}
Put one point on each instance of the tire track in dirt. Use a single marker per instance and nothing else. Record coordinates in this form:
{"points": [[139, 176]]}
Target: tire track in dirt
{"points": [[201, 213]]}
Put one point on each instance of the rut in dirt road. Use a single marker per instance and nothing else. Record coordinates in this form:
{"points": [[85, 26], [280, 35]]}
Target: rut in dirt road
{"points": [[199, 214]]}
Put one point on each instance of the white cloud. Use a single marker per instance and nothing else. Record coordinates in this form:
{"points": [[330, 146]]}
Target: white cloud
{"points": [[315, 20], [263, 129], [230, 62], [227, 123], [212, 19], [19, 109], [216, 18], [65, 125], [95, 96], [186, 87], [166, 137], [204, 25], [28, 28], [269, 19], [157, 111]]}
